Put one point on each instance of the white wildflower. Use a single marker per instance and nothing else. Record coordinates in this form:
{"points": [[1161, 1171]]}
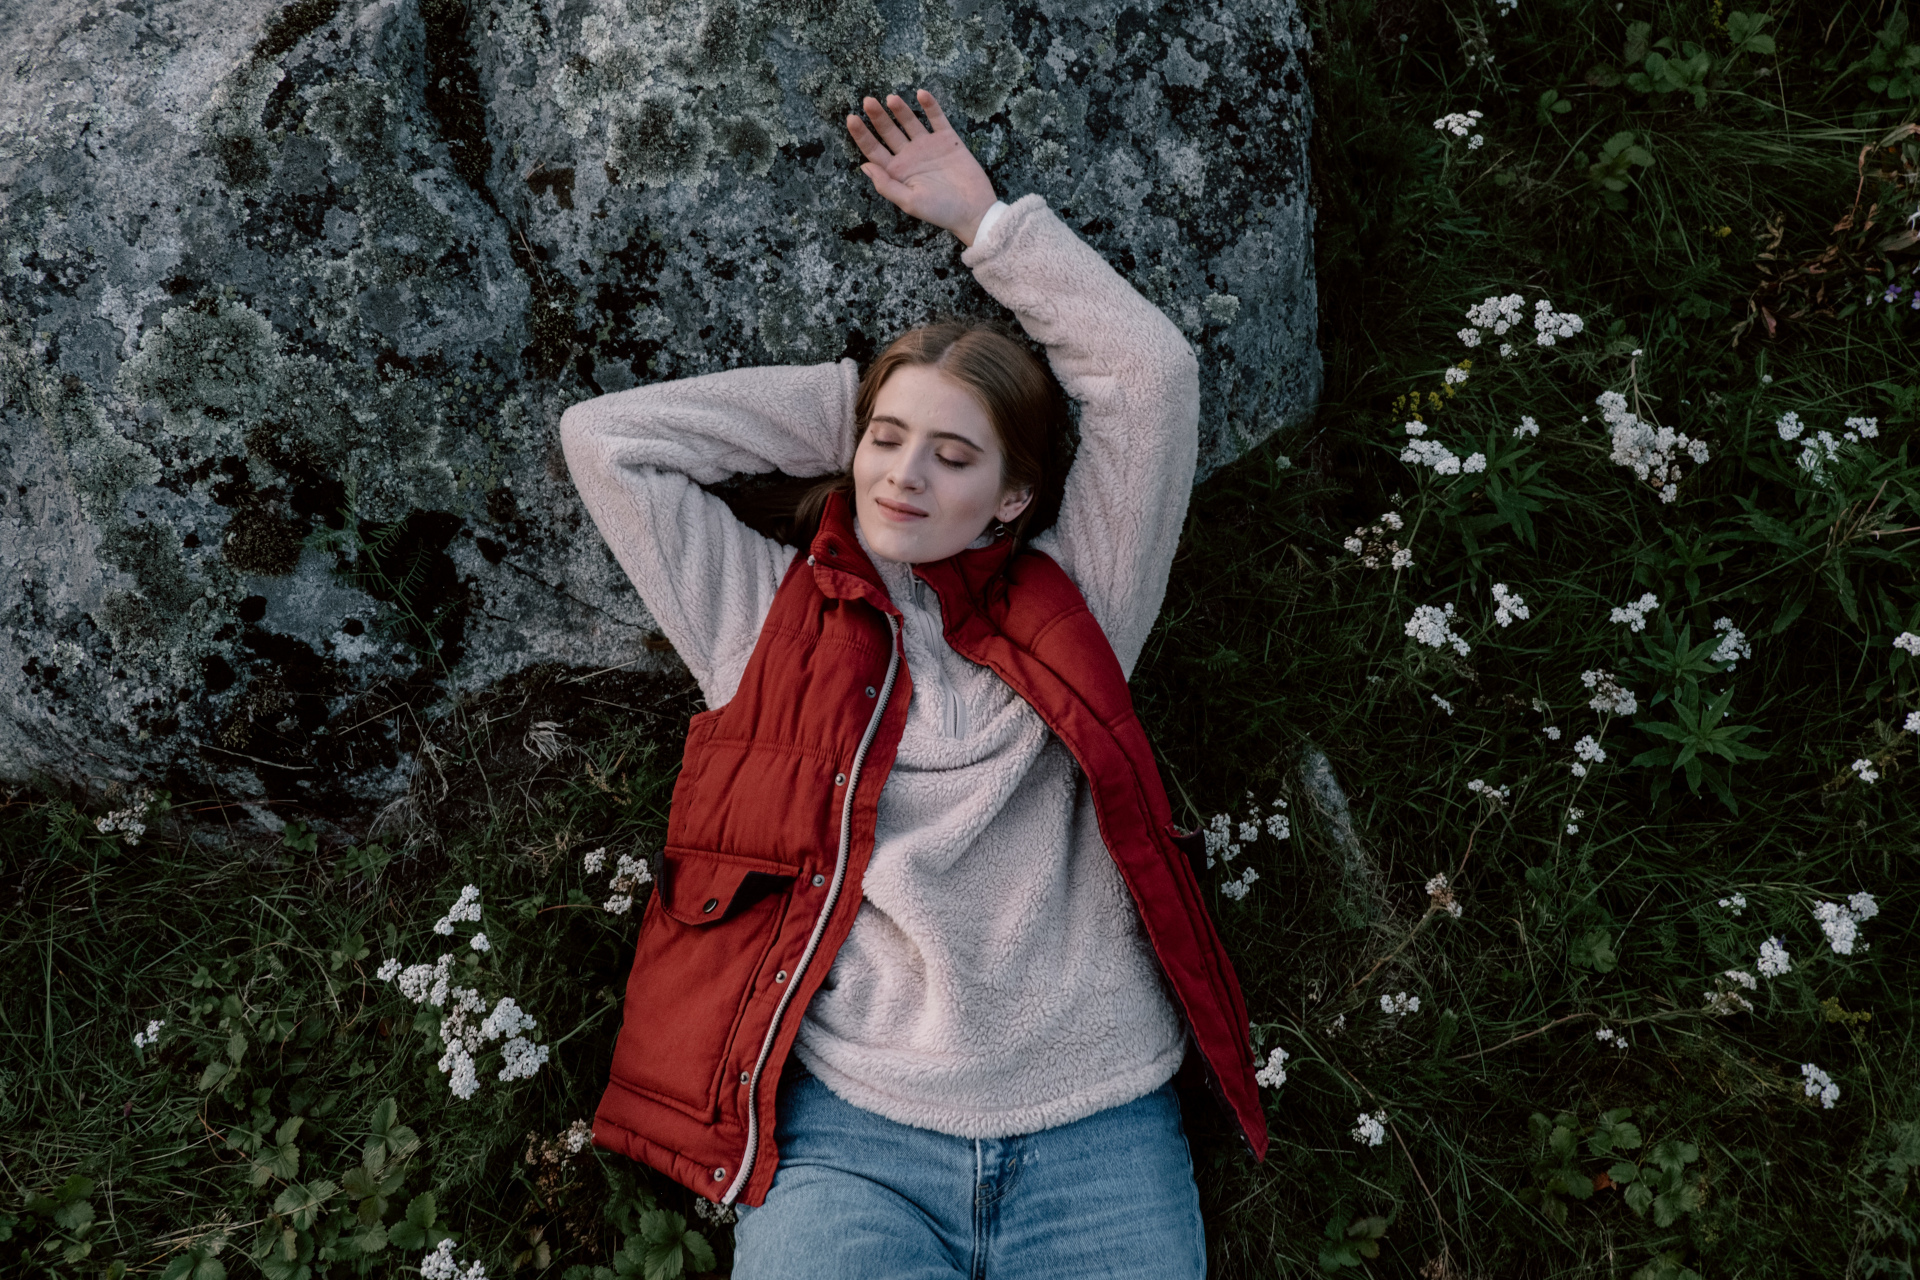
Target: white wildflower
{"points": [[1371, 1130], [1733, 643], [479, 942], [1612, 1038], [1773, 959], [1818, 1084], [1590, 750], [1402, 559], [577, 1136], [1553, 732], [457, 1064], [1469, 337], [130, 823], [1238, 889], [1725, 998], [1741, 978], [1459, 124], [1635, 614], [507, 1019], [1506, 349], [439, 1265], [1789, 426], [1573, 820], [1399, 1005], [618, 905], [1441, 703], [1527, 427], [1865, 428], [1393, 520], [1734, 903], [1608, 697], [1274, 1074], [1838, 924], [1912, 724], [1431, 453], [1579, 770], [1433, 627], [1651, 451], [1441, 891], [389, 970], [594, 861], [466, 909], [1474, 463], [1454, 375], [1476, 142], [151, 1036], [1908, 642], [1865, 769], [521, 1058], [1550, 325], [1497, 313], [1507, 606], [1416, 428], [1863, 906]]}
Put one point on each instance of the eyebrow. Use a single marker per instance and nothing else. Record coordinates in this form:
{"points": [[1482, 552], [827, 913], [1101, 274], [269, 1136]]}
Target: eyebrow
{"points": [[937, 435]]}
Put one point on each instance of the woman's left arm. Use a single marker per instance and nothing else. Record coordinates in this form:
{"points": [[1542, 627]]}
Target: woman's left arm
{"points": [[1118, 355]]}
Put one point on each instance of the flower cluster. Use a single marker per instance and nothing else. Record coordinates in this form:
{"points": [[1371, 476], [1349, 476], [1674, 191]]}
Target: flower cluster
{"points": [[1375, 548], [151, 1036], [1733, 643], [1431, 453], [1609, 699], [1550, 326], [1399, 1005], [465, 910], [1507, 607], [629, 873], [1274, 1074], [1841, 921], [1912, 724], [1495, 796], [1371, 1130], [1635, 614], [1433, 627], [1734, 903], [1728, 994], [1226, 839], [1821, 449], [1608, 1036], [1864, 767], [464, 1038], [1590, 752], [1907, 642], [1651, 451], [1573, 820], [1527, 427], [1440, 890], [1441, 703], [1461, 124], [439, 1265], [1496, 313], [1818, 1084], [130, 822], [1773, 959]]}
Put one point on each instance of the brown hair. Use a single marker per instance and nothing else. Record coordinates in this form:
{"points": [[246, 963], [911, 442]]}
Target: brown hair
{"points": [[1023, 402]]}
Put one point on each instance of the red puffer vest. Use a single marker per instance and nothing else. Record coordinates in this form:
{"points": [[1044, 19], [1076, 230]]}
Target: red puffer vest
{"points": [[773, 822]]}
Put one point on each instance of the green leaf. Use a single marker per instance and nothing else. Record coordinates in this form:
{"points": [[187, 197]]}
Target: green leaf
{"points": [[1638, 35], [73, 1215], [1624, 1172], [1593, 950], [304, 1204], [702, 1253], [384, 1113], [371, 1238], [1638, 1197], [401, 1142], [420, 1210]]}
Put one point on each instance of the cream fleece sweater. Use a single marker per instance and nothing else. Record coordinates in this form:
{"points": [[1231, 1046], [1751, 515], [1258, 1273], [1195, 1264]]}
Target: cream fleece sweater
{"points": [[996, 980]]}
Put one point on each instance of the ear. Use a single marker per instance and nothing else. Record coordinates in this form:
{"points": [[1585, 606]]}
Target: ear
{"points": [[1013, 502]]}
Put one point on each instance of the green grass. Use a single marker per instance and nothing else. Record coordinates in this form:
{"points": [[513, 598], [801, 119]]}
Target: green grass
{"points": [[1501, 1105]]}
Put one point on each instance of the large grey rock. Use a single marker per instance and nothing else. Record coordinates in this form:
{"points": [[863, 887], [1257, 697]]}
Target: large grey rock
{"points": [[263, 265]]}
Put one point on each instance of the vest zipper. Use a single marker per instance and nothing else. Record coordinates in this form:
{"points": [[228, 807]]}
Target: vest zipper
{"points": [[819, 925]]}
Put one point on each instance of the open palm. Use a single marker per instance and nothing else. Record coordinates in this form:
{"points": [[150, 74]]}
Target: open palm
{"points": [[926, 171]]}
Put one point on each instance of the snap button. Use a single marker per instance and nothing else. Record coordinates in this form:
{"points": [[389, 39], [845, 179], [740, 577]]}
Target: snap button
{"points": [[839, 779], [745, 1076], [719, 1175], [819, 880], [809, 559], [833, 551], [711, 904], [870, 691], [780, 976]]}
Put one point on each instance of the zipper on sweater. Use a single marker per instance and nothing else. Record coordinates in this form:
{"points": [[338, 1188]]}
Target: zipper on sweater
{"points": [[819, 925]]}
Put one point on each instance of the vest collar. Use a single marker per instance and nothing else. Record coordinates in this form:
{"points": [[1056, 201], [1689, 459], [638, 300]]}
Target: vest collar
{"points": [[843, 571]]}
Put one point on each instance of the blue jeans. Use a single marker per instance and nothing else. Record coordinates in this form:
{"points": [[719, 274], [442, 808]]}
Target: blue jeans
{"points": [[857, 1195]]}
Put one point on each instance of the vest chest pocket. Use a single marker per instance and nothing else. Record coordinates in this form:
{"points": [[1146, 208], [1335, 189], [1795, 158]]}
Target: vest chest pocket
{"points": [[708, 930]]}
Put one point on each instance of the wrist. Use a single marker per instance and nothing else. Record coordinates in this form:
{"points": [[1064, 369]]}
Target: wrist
{"points": [[970, 234]]}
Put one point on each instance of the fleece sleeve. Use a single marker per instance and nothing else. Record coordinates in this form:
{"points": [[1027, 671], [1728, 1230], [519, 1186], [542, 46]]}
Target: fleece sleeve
{"points": [[1138, 386], [638, 459]]}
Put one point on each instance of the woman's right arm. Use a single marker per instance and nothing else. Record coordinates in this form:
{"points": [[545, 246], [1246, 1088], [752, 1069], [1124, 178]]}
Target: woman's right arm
{"points": [[638, 459]]}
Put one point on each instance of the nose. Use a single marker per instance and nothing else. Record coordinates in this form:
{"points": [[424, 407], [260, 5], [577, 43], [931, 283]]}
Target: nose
{"points": [[909, 471]]}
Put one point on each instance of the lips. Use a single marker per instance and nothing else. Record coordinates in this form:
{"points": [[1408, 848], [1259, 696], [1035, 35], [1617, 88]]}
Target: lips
{"points": [[899, 510]]}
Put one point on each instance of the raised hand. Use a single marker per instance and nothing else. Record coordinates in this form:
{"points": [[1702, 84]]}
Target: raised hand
{"points": [[927, 172]]}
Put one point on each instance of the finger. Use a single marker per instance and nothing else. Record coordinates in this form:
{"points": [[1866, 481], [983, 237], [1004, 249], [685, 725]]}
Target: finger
{"points": [[909, 122], [935, 116], [869, 145], [894, 193], [883, 125]]}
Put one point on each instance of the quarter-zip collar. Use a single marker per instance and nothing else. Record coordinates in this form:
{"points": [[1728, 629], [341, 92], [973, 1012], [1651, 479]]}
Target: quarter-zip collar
{"points": [[843, 571]]}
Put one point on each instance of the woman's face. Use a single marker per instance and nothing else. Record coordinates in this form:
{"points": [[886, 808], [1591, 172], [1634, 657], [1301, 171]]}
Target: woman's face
{"points": [[927, 474]]}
